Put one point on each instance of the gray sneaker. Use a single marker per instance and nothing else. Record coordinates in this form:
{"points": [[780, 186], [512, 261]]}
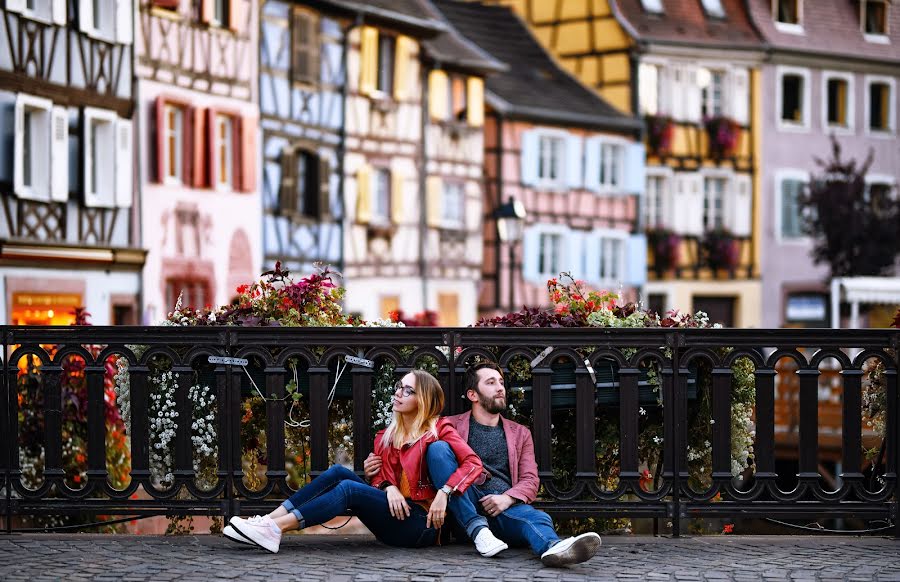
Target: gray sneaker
{"points": [[572, 550]]}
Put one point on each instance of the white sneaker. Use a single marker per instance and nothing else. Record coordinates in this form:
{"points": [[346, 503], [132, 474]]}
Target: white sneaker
{"points": [[572, 550], [259, 530], [233, 534], [487, 544]]}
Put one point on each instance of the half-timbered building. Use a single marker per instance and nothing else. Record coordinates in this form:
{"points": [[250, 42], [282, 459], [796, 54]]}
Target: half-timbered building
{"points": [[573, 161], [68, 235], [691, 68], [197, 78]]}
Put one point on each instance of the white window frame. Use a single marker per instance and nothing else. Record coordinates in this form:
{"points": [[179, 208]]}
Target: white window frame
{"points": [[788, 27], [883, 38], [725, 99], [650, 94], [558, 138], [666, 176], [653, 6], [851, 103], [43, 11], [550, 230], [453, 206], [381, 216], [605, 239], [604, 144], [177, 133], [713, 8], [892, 106], [886, 179], [38, 189], [225, 147], [105, 194], [107, 29], [805, 99], [781, 176], [727, 191]]}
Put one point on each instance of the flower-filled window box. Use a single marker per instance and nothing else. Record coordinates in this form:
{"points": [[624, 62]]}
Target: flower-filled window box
{"points": [[721, 250], [666, 247], [723, 133], [660, 133]]}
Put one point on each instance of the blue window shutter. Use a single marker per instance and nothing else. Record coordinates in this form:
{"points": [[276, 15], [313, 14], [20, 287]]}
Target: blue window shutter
{"points": [[529, 158], [592, 164], [574, 170], [530, 251], [635, 169], [636, 260]]}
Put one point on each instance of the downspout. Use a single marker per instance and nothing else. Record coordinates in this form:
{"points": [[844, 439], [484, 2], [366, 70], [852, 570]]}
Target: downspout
{"points": [[497, 202], [423, 169], [342, 135]]}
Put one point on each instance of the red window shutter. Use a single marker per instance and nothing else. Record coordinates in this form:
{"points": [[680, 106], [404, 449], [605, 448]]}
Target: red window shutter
{"points": [[207, 11], [187, 176], [199, 150], [247, 153], [160, 137]]}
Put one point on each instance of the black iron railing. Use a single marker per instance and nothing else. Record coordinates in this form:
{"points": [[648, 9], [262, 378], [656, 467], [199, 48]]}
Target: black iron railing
{"points": [[595, 361]]}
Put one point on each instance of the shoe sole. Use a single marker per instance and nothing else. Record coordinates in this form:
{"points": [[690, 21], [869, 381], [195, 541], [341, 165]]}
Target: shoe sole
{"points": [[495, 551], [238, 537], [581, 550], [252, 541]]}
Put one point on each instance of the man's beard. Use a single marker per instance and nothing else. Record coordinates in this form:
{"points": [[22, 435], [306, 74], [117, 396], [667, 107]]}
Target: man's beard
{"points": [[492, 405]]}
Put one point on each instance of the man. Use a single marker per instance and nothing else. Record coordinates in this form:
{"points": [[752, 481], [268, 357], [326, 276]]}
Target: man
{"points": [[501, 499]]}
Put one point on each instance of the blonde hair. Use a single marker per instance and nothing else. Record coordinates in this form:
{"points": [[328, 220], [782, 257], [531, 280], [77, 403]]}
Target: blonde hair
{"points": [[430, 397]]}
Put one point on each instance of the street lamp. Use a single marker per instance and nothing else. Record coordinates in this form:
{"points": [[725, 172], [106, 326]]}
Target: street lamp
{"points": [[510, 227]]}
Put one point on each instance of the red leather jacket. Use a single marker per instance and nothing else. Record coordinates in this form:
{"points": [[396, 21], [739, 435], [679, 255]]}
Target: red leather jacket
{"points": [[411, 458]]}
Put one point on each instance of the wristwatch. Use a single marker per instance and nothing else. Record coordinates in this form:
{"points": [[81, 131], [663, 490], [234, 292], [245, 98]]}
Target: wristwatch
{"points": [[447, 489]]}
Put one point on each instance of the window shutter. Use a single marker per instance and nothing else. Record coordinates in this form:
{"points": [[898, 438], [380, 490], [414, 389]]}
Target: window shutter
{"points": [[397, 196], [324, 188], [201, 161], [402, 62], [237, 15], [207, 11], [575, 241], [693, 206], [592, 163], [19, 148], [529, 158], [635, 179], [437, 95], [90, 198], [160, 139], [59, 154], [574, 170], [636, 260], [475, 101], [124, 162], [741, 206], [665, 89], [86, 16], [740, 95], [206, 157], [188, 145], [59, 11], [15, 5], [692, 95], [364, 194], [530, 251], [124, 21], [434, 194], [667, 202], [591, 246], [288, 191], [246, 148], [677, 91], [368, 60]]}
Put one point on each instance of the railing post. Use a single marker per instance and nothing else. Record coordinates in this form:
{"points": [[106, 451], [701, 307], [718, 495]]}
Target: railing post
{"points": [[235, 467], [275, 444], [140, 437], [541, 404], [362, 416], [678, 405], [50, 376], [809, 426], [892, 427], [721, 418], [628, 426], [96, 418], [851, 427], [764, 447], [585, 413], [184, 448], [7, 413], [318, 414]]}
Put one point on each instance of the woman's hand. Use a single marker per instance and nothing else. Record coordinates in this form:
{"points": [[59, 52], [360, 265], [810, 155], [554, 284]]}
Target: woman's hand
{"points": [[371, 466], [396, 503], [438, 511]]}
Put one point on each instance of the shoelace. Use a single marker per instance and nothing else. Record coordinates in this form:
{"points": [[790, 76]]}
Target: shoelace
{"points": [[255, 520]]}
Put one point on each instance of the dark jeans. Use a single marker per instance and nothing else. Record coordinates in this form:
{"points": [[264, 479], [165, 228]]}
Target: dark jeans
{"points": [[339, 489], [520, 525]]}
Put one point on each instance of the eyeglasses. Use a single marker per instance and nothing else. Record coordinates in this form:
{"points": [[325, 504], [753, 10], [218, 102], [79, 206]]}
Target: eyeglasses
{"points": [[407, 391]]}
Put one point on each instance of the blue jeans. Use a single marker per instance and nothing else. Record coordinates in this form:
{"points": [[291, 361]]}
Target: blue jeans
{"points": [[520, 525], [338, 489]]}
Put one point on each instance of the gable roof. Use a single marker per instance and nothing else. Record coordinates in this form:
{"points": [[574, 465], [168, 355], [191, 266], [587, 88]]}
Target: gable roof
{"points": [[408, 16], [534, 87], [453, 50]]}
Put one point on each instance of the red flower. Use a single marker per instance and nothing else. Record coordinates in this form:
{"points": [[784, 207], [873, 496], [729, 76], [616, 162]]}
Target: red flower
{"points": [[645, 480], [729, 528]]}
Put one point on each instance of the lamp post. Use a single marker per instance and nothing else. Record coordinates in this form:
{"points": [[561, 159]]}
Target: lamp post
{"points": [[510, 227]]}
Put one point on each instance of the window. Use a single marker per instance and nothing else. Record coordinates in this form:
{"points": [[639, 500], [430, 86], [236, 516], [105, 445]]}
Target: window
{"points": [[712, 92], [389, 304], [714, 190], [453, 205], [174, 144], [653, 6], [224, 152], [611, 259], [550, 158], [220, 13], [448, 309], [787, 11], [195, 293], [714, 8], [456, 99], [611, 160], [838, 97], [653, 202], [100, 156], [880, 104], [791, 216], [304, 47], [37, 152], [549, 254], [303, 190], [874, 17], [649, 76], [793, 98], [98, 17], [381, 197], [385, 78]]}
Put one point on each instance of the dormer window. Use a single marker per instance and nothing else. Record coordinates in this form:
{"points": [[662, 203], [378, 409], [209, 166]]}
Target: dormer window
{"points": [[385, 79], [653, 6], [788, 15], [873, 17], [713, 8]]}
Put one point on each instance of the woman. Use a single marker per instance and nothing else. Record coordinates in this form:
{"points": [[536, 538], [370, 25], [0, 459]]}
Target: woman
{"points": [[401, 506]]}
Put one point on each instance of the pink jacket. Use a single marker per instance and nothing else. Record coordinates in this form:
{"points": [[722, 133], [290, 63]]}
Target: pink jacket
{"points": [[522, 465]]}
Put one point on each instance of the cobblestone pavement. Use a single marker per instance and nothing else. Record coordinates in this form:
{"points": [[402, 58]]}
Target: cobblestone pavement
{"points": [[34, 558]]}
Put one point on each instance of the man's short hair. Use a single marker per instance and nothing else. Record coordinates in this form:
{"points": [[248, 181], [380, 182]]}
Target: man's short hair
{"points": [[472, 373]]}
